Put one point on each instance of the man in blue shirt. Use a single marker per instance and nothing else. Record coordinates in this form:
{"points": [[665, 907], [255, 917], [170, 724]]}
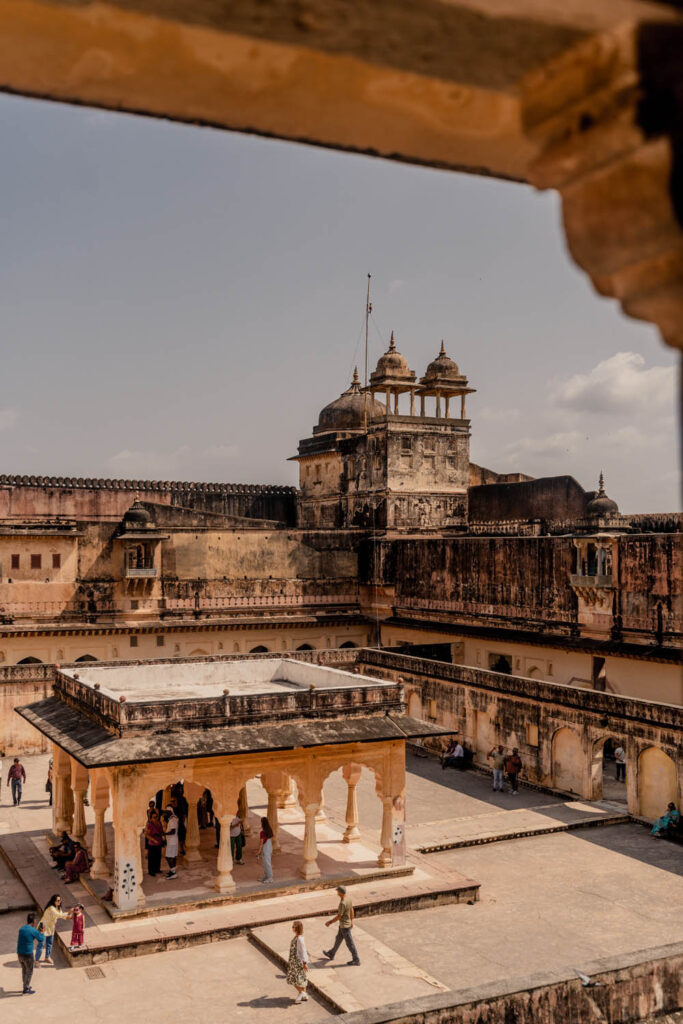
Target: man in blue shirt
{"points": [[26, 940]]}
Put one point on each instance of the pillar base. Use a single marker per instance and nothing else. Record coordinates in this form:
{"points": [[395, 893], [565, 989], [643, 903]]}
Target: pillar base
{"points": [[225, 884], [99, 870], [385, 859], [191, 856], [352, 834], [309, 870]]}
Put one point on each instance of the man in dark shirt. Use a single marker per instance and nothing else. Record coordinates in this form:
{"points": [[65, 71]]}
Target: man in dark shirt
{"points": [[64, 852], [15, 777], [26, 940]]}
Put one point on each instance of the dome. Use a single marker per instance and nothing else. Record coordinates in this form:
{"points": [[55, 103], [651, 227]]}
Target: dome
{"points": [[442, 366], [601, 505], [137, 517], [348, 411], [392, 364]]}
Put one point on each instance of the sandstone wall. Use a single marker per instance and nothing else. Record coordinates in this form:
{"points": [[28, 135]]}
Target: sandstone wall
{"points": [[558, 498]]}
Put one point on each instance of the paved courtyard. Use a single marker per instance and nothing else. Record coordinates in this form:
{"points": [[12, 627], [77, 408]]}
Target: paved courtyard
{"points": [[547, 902]]}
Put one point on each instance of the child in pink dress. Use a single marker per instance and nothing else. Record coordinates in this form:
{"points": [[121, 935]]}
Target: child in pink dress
{"points": [[78, 928]]}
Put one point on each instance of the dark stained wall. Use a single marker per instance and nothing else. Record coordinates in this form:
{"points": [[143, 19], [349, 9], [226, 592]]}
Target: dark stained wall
{"points": [[554, 498]]}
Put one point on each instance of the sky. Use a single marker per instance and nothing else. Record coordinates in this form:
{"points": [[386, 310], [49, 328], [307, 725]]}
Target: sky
{"points": [[180, 303]]}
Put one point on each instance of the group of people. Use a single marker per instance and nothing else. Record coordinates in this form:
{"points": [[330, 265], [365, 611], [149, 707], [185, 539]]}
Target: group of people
{"points": [[509, 765], [70, 858], [298, 963], [34, 944]]}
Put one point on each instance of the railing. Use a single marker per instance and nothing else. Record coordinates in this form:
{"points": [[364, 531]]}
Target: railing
{"points": [[131, 573], [591, 581]]}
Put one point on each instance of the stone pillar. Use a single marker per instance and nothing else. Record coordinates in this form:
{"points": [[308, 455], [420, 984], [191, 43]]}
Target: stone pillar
{"points": [[62, 804], [438, 405], [396, 402], [309, 868], [79, 786], [422, 405], [352, 774], [320, 814], [243, 808], [273, 783], [192, 835], [100, 795], [462, 407], [385, 857], [286, 796], [448, 403], [128, 894], [224, 880], [412, 402]]}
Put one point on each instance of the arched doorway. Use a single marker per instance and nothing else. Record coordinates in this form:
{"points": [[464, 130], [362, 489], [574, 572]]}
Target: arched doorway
{"points": [[656, 782], [30, 661], [414, 706], [305, 647], [567, 761], [608, 770], [87, 657], [259, 650], [347, 644]]}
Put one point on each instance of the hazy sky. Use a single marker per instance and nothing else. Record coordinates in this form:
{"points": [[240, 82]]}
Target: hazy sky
{"points": [[180, 303]]}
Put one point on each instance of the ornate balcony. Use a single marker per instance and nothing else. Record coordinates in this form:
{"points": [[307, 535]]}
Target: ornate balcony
{"points": [[130, 573], [591, 581]]}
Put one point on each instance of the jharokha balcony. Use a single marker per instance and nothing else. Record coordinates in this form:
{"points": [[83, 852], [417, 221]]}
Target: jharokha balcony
{"points": [[140, 573]]}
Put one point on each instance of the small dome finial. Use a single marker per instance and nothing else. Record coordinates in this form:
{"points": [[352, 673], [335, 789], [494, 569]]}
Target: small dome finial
{"points": [[392, 343], [601, 485], [356, 378], [443, 349]]}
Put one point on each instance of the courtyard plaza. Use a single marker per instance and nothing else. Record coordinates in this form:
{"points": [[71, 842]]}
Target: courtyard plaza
{"points": [[548, 902]]}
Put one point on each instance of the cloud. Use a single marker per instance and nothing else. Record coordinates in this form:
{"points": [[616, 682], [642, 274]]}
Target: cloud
{"points": [[8, 418], [552, 446], [181, 461], [620, 384], [497, 414]]}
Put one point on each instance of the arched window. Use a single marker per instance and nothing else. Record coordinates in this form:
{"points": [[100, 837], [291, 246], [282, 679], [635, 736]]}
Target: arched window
{"points": [[259, 650], [30, 661], [87, 657], [348, 643], [305, 647]]}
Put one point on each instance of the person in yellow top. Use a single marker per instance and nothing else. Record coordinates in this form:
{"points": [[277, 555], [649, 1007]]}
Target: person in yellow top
{"points": [[52, 913]]}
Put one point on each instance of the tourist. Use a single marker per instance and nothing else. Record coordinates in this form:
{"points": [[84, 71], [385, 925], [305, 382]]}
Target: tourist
{"points": [[448, 752], [171, 836], [345, 917], [78, 930], [620, 762], [454, 756], [48, 782], [667, 823], [513, 766], [237, 838], [16, 776], [498, 758], [53, 912], [297, 966], [62, 853], [154, 840], [26, 939], [78, 864], [265, 850]]}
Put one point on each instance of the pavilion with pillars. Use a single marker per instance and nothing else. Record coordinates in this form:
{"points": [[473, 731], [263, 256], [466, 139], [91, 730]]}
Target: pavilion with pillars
{"points": [[129, 731]]}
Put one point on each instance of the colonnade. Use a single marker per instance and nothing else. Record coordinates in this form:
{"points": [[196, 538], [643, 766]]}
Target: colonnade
{"points": [[287, 780]]}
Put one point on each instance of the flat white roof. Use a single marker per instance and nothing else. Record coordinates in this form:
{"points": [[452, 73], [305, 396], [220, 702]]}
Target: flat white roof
{"points": [[202, 679]]}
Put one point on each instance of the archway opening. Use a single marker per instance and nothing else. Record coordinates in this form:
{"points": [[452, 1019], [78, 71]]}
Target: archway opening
{"points": [[87, 657], [347, 644], [657, 783], [608, 770], [305, 647], [259, 650], [30, 661]]}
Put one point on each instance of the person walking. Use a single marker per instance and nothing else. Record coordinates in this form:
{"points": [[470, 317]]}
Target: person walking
{"points": [[78, 930], [265, 850], [513, 767], [171, 834], [16, 776], [237, 838], [297, 965], [620, 763], [49, 781], [53, 912], [27, 937], [345, 918], [498, 758], [154, 838]]}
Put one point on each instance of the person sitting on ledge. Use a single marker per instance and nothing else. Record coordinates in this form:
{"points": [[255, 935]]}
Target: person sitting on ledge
{"points": [[74, 868], [63, 852], [454, 756], [667, 824]]}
